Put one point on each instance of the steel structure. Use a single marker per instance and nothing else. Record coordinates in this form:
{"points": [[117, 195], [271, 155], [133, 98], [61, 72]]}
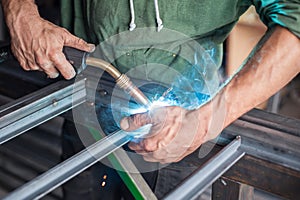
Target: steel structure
{"points": [[256, 142]]}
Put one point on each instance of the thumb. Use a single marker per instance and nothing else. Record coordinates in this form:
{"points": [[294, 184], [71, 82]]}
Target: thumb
{"points": [[136, 121], [78, 43]]}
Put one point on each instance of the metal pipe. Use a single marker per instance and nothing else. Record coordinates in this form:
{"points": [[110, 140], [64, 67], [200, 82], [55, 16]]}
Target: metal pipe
{"points": [[122, 80], [68, 169], [211, 171], [32, 110]]}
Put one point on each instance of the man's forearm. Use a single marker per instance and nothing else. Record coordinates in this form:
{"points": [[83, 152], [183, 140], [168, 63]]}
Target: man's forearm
{"points": [[270, 69]]}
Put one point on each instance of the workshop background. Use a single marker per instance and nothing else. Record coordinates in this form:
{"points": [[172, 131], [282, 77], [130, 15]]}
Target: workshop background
{"points": [[21, 160]]}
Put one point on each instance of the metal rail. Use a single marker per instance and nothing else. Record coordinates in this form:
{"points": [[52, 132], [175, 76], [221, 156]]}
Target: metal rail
{"points": [[66, 170], [211, 171], [268, 143], [262, 139], [32, 110], [25, 113]]}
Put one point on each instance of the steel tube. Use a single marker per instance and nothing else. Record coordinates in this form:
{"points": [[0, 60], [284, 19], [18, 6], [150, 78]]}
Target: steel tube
{"points": [[66, 170], [211, 171], [34, 109]]}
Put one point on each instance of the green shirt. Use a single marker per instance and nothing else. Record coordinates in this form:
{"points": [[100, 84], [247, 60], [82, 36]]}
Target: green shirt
{"points": [[193, 31], [97, 20]]}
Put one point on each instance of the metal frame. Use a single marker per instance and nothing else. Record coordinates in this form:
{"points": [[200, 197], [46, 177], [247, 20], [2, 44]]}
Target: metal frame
{"points": [[66, 170], [209, 173], [262, 139], [32, 110], [271, 144], [29, 111]]}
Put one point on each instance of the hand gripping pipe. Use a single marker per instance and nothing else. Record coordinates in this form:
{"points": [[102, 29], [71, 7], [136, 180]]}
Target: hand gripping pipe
{"points": [[80, 59]]}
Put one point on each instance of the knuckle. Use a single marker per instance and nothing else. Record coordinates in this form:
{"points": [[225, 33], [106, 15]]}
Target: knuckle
{"points": [[53, 75], [140, 119], [53, 55], [80, 41], [40, 60], [47, 66], [149, 145], [64, 30], [25, 67], [35, 67]]}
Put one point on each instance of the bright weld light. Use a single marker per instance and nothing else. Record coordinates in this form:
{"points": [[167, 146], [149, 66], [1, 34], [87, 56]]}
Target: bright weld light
{"points": [[144, 130], [158, 103], [137, 110], [154, 104], [138, 133]]}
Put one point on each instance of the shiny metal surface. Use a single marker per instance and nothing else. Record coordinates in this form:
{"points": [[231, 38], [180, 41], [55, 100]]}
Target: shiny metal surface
{"points": [[211, 171], [63, 172], [104, 66], [30, 111], [264, 137], [125, 83], [122, 80]]}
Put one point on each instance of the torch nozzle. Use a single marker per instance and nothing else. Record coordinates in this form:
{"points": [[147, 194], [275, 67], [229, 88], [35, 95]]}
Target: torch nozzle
{"points": [[122, 80]]}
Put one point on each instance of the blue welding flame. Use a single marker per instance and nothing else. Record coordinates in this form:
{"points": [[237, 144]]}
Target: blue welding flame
{"points": [[186, 91], [190, 89]]}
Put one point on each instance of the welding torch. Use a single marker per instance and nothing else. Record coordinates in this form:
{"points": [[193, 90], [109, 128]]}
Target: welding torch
{"points": [[80, 59]]}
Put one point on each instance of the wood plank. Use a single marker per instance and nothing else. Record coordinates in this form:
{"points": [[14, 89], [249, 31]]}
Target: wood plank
{"points": [[266, 176], [226, 189]]}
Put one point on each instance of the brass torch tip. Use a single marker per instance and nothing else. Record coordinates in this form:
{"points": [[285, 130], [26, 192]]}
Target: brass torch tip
{"points": [[124, 82]]}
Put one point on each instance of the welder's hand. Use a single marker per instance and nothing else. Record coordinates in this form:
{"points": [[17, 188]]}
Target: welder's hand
{"points": [[37, 43], [175, 132]]}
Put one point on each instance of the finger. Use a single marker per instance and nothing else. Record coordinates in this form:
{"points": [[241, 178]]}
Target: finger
{"points": [[35, 68], [156, 157], [146, 145], [78, 43], [135, 146], [136, 121], [150, 158], [64, 67], [33, 65], [20, 57], [45, 65], [50, 70], [24, 64]]}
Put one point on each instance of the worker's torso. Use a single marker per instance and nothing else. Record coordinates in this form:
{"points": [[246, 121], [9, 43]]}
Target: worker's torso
{"points": [[202, 18], [192, 34]]}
